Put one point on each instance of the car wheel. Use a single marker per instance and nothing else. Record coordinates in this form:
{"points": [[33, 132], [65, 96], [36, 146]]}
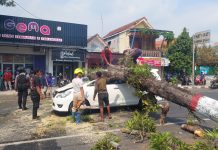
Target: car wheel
{"points": [[70, 107], [140, 105], [86, 111]]}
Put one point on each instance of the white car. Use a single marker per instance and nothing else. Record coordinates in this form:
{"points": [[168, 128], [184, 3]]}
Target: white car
{"points": [[120, 94]]}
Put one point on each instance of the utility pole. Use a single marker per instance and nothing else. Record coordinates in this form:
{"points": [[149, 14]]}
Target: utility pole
{"points": [[193, 63]]}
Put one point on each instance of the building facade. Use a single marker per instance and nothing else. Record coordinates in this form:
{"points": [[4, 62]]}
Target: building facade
{"points": [[54, 47], [123, 38]]}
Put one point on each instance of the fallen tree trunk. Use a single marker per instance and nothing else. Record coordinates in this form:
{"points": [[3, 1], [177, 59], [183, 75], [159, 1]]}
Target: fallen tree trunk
{"points": [[192, 101]]}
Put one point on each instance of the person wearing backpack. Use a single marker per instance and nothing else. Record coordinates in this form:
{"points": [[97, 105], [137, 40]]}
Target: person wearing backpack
{"points": [[21, 86]]}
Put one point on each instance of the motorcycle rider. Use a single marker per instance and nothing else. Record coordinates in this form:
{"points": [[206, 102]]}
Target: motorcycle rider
{"points": [[202, 76]]}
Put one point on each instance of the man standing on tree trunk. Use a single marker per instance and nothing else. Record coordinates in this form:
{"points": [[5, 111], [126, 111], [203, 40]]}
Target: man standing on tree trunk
{"points": [[101, 89], [133, 54], [106, 56]]}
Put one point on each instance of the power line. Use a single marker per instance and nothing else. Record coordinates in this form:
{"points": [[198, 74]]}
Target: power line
{"points": [[25, 9]]}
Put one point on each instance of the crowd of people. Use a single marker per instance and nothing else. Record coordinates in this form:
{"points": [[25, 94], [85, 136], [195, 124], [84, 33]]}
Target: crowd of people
{"points": [[36, 84]]}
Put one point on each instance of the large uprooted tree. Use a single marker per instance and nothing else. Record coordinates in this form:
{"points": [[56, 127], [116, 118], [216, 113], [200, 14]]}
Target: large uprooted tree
{"points": [[141, 79]]}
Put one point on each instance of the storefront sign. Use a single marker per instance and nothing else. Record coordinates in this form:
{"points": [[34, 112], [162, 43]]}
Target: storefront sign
{"points": [[204, 69], [43, 32], [68, 55]]}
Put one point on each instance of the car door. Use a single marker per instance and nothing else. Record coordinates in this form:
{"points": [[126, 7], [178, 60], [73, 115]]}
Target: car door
{"points": [[127, 93], [115, 95], [89, 93]]}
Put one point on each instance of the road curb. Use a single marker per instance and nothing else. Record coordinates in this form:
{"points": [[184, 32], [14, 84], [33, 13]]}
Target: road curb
{"points": [[55, 138]]}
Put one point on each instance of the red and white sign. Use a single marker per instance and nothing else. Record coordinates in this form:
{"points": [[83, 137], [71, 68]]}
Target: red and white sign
{"points": [[152, 61]]}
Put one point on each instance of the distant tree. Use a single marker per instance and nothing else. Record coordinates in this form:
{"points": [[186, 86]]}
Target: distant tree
{"points": [[182, 44], [206, 56], [180, 53], [8, 3], [179, 62]]}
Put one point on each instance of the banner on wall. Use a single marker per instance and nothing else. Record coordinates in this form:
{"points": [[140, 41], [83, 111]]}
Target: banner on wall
{"points": [[154, 61]]}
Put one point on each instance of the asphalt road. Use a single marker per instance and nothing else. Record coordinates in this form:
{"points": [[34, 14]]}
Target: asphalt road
{"points": [[176, 116]]}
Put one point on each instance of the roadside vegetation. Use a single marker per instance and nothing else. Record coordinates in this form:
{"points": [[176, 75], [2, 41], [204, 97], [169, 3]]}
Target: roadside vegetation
{"points": [[166, 141], [108, 142]]}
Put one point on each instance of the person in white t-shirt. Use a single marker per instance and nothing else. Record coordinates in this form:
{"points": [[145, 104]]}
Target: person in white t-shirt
{"points": [[78, 97]]}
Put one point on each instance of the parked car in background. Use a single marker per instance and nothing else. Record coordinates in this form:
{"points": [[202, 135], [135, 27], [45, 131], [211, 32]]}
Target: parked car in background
{"points": [[120, 94]]}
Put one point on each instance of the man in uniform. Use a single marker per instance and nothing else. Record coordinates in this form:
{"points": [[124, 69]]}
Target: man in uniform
{"points": [[36, 93]]}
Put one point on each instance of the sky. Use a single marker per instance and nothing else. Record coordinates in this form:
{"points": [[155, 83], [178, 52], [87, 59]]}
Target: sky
{"points": [[102, 16]]}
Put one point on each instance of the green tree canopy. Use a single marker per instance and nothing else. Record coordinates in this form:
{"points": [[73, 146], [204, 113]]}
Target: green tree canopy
{"points": [[180, 53], [7, 3], [182, 44]]}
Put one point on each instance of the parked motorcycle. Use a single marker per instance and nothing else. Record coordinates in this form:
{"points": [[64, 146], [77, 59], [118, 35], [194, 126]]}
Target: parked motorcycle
{"points": [[200, 81], [63, 82], [214, 83]]}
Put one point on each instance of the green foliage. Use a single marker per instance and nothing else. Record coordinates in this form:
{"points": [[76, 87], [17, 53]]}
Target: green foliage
{"points": [[201, 146], [168, 35], [7, 3], [174, 80], [166, 141], [180, 61], [86, 118], [138, 71], [142, 122], [180, 53], [216, 70], [190, 119], [183, 44], [104, 143], [212, 134]]}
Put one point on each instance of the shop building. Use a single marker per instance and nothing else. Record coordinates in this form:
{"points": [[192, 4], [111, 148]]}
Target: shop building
{"points": [[54, 47]]}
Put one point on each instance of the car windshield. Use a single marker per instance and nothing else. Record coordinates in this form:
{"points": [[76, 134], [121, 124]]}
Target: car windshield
{"points": [[85, 79]]}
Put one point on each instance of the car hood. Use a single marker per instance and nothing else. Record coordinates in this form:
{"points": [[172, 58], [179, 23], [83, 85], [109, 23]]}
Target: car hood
{"points": [[64, 88]]}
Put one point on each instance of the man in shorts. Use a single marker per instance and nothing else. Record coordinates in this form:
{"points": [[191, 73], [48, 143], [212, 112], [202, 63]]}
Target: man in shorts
{"points": [[101, 89]]}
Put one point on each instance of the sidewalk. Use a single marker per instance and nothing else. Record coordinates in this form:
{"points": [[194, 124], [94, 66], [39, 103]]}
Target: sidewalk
{"points": [[9, 92], [193, 87]]}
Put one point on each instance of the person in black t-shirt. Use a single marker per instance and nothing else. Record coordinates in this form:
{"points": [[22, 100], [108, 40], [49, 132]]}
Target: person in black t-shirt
{"points": [[36, 93], [21, 86]]}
